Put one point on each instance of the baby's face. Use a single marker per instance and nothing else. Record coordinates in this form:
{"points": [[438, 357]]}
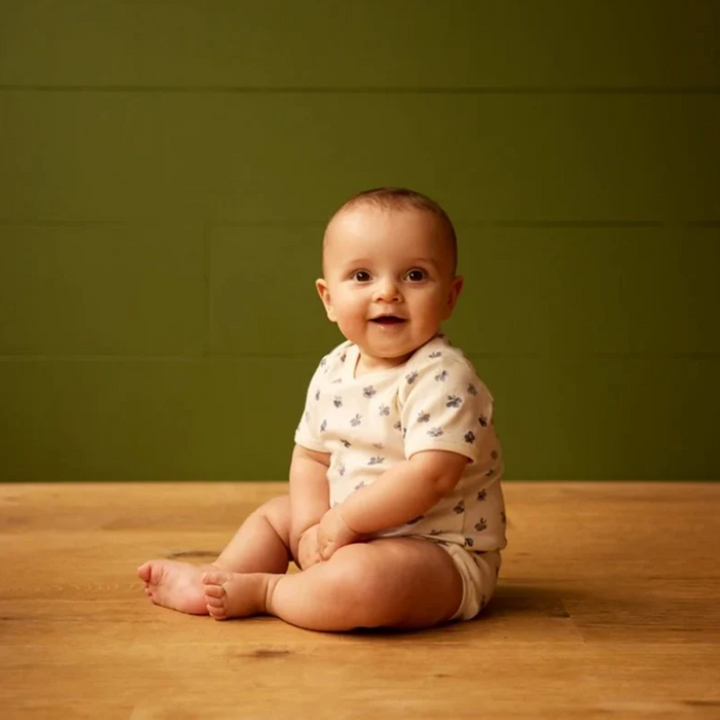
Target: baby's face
{"points": [[388, 281]]}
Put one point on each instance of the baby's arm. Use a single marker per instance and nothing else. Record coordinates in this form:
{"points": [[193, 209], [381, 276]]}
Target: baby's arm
{"points": [[404, 492], [309, 492]]}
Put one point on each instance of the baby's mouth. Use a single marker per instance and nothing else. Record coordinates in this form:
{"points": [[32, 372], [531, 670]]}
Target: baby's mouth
{"points": [[388, 320]]}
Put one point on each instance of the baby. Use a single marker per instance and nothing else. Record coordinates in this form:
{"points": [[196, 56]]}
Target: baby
{"points": [[395, 514]]}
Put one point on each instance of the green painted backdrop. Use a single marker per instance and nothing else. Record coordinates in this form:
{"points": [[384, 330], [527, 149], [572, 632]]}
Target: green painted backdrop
{"points": [[166, 169]]}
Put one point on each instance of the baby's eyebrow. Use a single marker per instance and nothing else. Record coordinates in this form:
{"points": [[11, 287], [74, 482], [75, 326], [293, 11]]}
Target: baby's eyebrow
{"points": [[368, 261]]}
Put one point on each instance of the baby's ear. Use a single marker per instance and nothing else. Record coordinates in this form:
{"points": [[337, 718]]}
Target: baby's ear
{"points": [[324, 293], [456, 286]]}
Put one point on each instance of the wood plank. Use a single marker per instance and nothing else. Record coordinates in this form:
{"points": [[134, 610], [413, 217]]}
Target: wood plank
{"points": [[235, 157], [601, 601], [110, 289], [277, 43], [102, 419]]}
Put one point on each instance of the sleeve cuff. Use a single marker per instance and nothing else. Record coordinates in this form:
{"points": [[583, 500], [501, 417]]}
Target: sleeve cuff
{"points": [[446, 446], [309, 444]]}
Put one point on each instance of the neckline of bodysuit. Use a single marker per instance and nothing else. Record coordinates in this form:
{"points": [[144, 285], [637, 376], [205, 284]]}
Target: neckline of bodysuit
{"points": [[351, 362]]}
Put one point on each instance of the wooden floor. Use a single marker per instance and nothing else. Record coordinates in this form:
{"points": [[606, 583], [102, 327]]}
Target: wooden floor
{"points": [[608, 607]]}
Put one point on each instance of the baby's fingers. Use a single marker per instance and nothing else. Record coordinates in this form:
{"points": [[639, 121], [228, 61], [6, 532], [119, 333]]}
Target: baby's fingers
{"points": [[326, 550], [311, 560]]}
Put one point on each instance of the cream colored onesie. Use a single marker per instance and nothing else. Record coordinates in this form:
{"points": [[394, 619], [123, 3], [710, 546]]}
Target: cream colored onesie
{"points": [[434, 401]]}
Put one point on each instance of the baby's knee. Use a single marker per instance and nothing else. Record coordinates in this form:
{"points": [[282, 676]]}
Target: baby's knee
{"points": [[276, 509], [277, 513], [354, 582]]}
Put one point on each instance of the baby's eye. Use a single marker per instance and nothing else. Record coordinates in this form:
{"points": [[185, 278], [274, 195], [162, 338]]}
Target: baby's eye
{"points": [[361, 276], [416, 275]]}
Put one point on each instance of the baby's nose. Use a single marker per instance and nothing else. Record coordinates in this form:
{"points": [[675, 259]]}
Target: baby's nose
{"points": [[387, 291]]}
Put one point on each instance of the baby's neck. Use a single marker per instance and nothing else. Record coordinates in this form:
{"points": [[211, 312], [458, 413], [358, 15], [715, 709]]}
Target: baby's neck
{"points": [[366, 365]]}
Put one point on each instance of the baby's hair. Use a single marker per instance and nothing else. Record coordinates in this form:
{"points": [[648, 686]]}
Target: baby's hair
{"points": [[393, 198]]}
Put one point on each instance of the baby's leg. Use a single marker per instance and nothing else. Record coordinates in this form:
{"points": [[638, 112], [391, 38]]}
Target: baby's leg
{"points": [[390, 582], [260, 545]]}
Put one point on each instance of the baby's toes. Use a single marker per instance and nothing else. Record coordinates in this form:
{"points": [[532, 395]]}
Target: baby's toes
{"points": [[217, 606], [216, 592], [214, 578], [143, 572], [215, 602], [216, 598], [217, 613]]}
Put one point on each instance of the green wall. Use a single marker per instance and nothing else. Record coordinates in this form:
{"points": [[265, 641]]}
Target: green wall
{"points": [[166, 169]]}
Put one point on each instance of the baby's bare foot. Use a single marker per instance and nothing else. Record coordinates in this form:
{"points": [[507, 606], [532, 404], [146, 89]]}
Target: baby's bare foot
{"points": [[229, 594], [175, 585]]}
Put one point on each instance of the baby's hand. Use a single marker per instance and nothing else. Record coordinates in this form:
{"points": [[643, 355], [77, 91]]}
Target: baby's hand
{"points": [[333, 533], [308, 548]]}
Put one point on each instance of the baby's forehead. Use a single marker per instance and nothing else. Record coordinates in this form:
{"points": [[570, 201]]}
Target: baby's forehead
{"points": [[370, 213], [350, 227]]}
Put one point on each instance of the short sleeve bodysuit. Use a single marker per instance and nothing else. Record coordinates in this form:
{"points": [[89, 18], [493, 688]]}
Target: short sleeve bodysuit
{"points": [[434, 401]]}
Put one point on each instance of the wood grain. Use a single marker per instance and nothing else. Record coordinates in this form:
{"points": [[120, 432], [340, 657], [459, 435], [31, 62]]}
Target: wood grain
{"points": [[608, 607]]}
